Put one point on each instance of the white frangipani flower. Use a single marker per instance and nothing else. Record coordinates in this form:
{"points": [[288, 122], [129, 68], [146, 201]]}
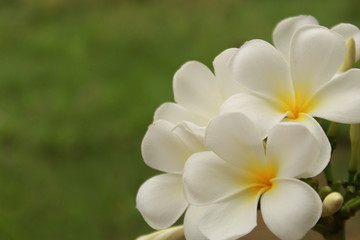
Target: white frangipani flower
{"points": [[160, 200], [286, 28], [305, 86], [198, 92], [239, 173]]}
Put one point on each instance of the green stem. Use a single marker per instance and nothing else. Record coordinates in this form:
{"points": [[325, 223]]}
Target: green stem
{"points": [[355, 142], [350, 208], [331, 134], [329, 174]]}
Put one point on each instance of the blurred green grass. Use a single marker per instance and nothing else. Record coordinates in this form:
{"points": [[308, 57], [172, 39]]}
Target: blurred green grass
{"points": [[79, 82]]}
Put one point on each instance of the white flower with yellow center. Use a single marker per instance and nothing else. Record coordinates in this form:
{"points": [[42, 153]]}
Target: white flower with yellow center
{"points": [[239, 173], [160, 200], [297, 89]]}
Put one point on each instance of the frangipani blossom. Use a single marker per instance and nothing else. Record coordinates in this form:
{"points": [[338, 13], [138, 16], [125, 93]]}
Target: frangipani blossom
{"points": [[305, 86], [160, 200], [198, 92], [286, 28], [238, 174]]}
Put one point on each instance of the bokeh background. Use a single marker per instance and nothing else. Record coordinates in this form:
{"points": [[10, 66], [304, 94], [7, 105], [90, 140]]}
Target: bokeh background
{"points": [[79, 82]]}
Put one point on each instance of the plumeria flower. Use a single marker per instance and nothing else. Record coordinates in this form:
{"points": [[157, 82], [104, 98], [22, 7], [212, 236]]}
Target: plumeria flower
{"points": [[198, 92], [160, 200], [286, 28], [238, 174], [305, 86]]}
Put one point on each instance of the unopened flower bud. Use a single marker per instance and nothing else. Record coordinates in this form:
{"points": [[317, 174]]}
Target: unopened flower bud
{"points": [[173, 233], [332, 203], [350, 55]]}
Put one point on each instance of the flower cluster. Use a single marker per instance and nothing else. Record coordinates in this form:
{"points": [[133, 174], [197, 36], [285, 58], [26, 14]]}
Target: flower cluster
{"points": [[240, 141]]}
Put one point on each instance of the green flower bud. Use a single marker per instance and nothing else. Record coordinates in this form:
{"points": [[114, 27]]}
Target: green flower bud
{"points": [[324, 191]]}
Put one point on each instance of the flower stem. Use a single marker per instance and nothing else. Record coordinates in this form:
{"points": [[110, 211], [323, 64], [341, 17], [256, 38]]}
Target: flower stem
{"points": [[329, 174], [355, 144], [350, 208], [331, 134]]}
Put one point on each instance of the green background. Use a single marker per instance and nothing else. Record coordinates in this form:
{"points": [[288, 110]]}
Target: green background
{"points": [[79, 82]]}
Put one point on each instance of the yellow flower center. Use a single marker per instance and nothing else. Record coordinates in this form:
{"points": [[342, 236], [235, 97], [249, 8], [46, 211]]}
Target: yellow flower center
{"points": [[294, 107], [262, 176]]}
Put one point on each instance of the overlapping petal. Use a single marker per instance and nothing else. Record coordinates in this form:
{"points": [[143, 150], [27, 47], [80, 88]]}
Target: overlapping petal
{"points": [[161, 200], [348, 30], [222, 71], [176, 113], [232, 218], [209, 179], [196, 88], [286, 28], [292, 148], [261, 68], [162, 149], [236, 139], [316, 53], [339, 100], [264, 113], [316, 167], [192, 136], [191, 223], [290, 209]]}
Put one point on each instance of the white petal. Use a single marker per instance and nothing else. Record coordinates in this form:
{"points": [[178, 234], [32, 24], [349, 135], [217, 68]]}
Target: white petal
{"points": [[348, 30], [339, 100], [315, 56], [290, 209], [261, 68], [166, 234], [232, 218], [191, 223], [222, 72], [192, 136], [209, 179], [285, 30], [162, 149], [196, 88], [316, 167], [176, 113], [161, 200], [264, 113], [234, 138], [292, 148]]}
